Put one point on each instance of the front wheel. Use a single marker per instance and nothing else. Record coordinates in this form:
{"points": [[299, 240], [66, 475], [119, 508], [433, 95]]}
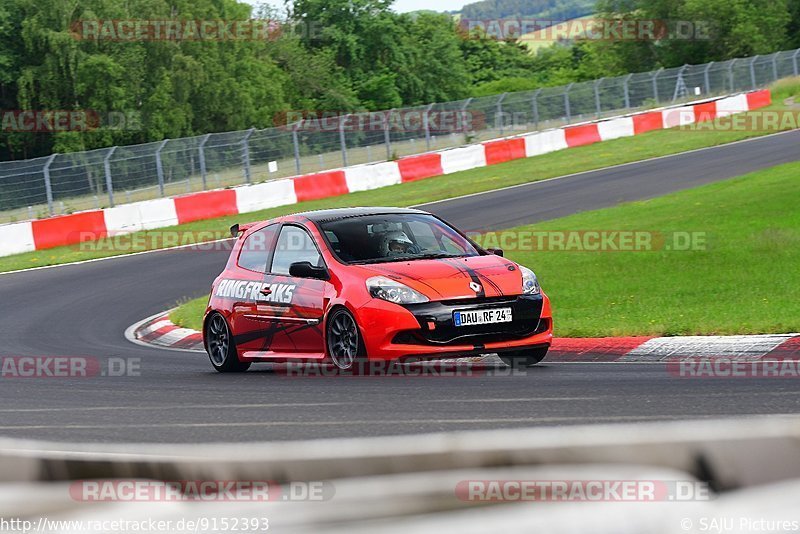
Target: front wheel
{"points": [[524, 358], [345, 348], [221, 348]]}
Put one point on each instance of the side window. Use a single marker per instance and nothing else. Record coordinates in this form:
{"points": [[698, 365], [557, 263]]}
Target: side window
{"points": [[256, 248], [451, 246], [423, 235], [294, 246]]}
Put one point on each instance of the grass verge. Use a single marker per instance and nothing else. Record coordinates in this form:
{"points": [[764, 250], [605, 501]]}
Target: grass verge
{"points": [[741, 277], [600, 155], [190, 313]]}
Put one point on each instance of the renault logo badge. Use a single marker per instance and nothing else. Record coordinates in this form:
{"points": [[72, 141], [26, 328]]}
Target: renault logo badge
{"points": [[475, 286]]}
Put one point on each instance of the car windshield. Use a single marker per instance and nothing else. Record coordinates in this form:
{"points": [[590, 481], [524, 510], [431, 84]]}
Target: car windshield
{"points": [[394, 237]]}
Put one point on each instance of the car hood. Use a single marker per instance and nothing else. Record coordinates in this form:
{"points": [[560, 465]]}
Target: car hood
{"points": [[454, 278]]}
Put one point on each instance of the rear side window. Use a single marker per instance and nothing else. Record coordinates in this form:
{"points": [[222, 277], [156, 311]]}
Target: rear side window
{"points": [[256, 249]]}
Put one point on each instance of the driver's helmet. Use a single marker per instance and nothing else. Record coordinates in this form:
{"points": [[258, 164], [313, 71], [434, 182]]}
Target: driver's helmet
{"points": [[395, 244]]}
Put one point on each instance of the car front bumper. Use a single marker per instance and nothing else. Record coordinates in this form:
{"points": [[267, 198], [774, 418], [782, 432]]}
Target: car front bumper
{"points": [[427, 331]]}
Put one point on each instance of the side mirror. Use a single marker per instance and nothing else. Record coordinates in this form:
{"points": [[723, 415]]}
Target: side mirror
{"points": [[304, 269], [496, 252]]}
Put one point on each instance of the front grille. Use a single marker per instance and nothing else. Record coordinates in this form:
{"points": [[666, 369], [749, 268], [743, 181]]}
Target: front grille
{"points": [[526, 311], [466, 303]]}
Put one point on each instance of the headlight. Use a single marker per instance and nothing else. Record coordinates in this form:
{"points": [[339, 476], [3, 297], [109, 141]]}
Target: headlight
{"points": [[530, 285], [384, 288]]}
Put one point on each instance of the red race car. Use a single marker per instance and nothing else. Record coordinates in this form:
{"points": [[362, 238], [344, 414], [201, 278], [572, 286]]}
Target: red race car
{"points": [[367, 286]]}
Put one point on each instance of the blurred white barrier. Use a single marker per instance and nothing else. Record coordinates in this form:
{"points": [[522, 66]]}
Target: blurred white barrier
{"points": [[416, 483]]}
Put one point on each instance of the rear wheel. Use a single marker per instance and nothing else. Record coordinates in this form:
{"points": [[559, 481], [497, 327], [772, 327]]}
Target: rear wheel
{"points": [[524, 358], [221, 347], [344, 340]]}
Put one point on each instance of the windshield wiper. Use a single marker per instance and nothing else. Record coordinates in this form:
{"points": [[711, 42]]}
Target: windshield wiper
{"points": [[437, 256], [407, 258]]}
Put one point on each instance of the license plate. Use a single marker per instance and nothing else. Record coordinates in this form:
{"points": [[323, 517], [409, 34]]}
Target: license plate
{"points": [[477, 317]]}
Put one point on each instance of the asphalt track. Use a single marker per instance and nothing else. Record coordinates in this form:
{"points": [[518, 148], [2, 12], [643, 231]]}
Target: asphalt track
{"points": [[84, 309]]}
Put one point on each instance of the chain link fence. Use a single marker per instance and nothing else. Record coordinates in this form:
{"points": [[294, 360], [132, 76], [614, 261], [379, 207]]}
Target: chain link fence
{"points": [[65, 183]]}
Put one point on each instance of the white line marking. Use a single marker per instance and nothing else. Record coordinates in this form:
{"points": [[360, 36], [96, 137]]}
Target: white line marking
{"points": [[173, 407], [492, 420], [530, 399], [117, 257]]}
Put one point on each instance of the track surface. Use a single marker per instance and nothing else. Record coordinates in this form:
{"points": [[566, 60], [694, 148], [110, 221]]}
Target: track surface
{"points": [[83, 310]]}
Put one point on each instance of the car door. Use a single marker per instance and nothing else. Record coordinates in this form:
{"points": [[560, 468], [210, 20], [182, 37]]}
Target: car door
{"points": [[298, 304], [244, 285]]}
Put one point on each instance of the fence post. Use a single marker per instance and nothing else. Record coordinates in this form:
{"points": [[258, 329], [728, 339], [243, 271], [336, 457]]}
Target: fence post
{"points": [[246, 155], [679, 82], [426, 123], [499, 113], [627, 91], [775, 67], [655, 84], [160, 167], [296, 143], [387, 134], [567, 110], [707, 78], [753, 71], [730, 73], [107, 168], [464, 115], [536, 108], [794, 61], [48, 186], [342, 138], [597, 96], [201, 150]]}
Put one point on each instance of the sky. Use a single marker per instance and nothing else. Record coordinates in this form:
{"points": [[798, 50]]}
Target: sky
{"points": [[401, 5]]}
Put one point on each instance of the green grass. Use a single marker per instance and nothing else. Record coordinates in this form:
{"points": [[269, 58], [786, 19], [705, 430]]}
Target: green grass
{"points": [[190, 314], [626, 150], [745, 281]]}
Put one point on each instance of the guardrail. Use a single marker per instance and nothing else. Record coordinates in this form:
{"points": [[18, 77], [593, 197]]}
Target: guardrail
{"points": [[751, 466]]}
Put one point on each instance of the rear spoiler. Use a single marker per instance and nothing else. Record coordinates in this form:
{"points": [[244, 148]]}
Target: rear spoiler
{"points": [[239, 229]]}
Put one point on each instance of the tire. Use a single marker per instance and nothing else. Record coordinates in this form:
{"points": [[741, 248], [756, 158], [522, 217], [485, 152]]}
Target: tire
{"points": [[343, 341], [220, 346], [524, 358]]}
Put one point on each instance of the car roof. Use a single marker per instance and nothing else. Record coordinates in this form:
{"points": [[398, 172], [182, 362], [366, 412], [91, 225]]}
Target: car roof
{"points": [[344, 213]]}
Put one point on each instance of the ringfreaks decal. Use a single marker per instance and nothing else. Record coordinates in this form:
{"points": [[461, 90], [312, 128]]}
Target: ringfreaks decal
{"points": [[251, 291]]}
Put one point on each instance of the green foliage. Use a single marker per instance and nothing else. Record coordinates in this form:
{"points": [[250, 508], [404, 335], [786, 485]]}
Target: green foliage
{"points": [[332, 55], [729, 29]]}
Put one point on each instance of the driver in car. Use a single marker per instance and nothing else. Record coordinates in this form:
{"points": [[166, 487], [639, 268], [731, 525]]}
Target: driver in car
{"points": [[398, 244]]}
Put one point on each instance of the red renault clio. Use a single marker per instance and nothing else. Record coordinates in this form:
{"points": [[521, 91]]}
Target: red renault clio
{"points": [[360, 285]]}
